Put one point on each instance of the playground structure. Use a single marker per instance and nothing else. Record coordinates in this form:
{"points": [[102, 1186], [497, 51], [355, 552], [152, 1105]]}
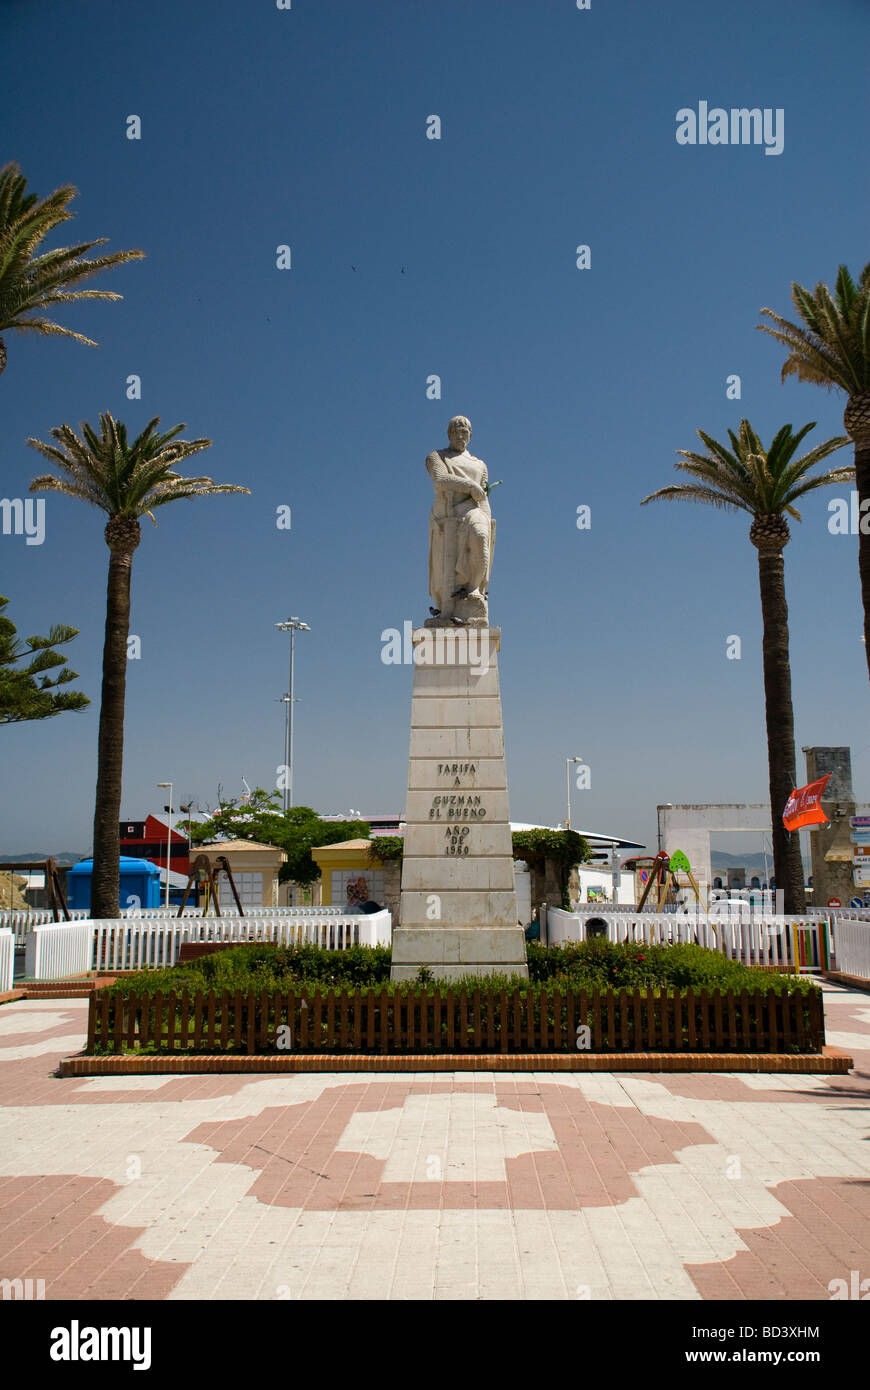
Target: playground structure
{"points": [[53, 882], [203, 874], [662, 871]]}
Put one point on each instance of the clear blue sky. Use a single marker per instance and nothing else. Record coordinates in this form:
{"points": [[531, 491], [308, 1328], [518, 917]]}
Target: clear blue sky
{"points": [[307, 127]]}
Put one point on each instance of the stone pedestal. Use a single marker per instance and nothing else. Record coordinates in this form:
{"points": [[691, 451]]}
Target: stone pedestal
{"points": [[459, 911]]}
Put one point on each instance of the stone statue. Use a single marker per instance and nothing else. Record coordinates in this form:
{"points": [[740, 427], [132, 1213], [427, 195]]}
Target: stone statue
{"points": [[461, 533]]}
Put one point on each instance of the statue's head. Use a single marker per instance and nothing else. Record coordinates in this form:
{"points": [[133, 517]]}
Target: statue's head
{"points": [[459, 433]]}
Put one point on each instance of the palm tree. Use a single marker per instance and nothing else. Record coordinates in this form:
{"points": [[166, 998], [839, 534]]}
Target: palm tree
{"points": [[31, 283], [126, 480], [766, 483], [832, 349]]}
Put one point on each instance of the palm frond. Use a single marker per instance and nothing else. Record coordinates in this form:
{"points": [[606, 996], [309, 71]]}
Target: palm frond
{"points": [[211, 491], [690, 492], [831, 347], [124, 477], [753, 479], [836, 477], [49, 329], [31, 282]]}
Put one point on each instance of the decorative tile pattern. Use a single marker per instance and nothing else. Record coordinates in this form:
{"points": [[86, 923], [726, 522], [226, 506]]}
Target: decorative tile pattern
{"points": [[408, 1184]]}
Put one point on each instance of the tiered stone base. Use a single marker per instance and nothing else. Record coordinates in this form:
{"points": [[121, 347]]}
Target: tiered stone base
{"points": [[458, 907]]}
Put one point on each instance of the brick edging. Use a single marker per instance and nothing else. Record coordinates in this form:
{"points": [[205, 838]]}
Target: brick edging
{"points": [[830, 1061], [851, 981]]}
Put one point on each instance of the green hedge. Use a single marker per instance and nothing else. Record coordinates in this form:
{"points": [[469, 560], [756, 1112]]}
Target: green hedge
{"points": [[589, 965], [634, 965]]}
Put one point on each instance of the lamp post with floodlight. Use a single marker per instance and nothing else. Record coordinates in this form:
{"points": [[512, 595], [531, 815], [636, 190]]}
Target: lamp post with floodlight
{"points": [[292, 625], [168, 837], [568, 762]]}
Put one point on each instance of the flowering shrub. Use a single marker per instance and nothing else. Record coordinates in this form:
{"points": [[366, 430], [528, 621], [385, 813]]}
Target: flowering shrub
{"points": [[357, 891]]}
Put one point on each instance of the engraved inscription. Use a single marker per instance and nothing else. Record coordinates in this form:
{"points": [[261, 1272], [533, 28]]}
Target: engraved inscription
{"points": [[456, 807], [456, 840]]}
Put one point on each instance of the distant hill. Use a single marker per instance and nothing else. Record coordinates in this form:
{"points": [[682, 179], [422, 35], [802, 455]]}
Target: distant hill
{"points": [[64, 857], [720, 859]]}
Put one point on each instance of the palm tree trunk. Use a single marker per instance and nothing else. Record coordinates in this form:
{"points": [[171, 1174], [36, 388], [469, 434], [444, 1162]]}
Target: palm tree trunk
{"points": [[862, 479], [787, 863], [105, 884]]}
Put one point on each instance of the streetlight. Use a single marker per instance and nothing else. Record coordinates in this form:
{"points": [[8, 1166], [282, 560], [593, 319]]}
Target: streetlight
{"points": [[168, 837], [568, 762], [292, 625]]}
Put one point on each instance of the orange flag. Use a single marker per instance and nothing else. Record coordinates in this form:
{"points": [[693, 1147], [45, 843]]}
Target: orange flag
{"points": [[804, 806]]}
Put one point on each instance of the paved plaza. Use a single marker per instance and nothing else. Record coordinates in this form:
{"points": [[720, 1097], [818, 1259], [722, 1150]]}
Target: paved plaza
{"points": [[431, 1185]]}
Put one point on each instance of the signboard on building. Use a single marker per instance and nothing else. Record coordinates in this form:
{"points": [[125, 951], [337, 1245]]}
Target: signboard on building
{"points": [[861, 877], [858, 822]]}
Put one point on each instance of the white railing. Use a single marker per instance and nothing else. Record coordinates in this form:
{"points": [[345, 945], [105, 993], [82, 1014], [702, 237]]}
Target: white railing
{"points": [[57, 950], [149, 944], [594, 909], [20, 920], [7, 959], [853, 946], [230, 910], [603, 909], [793, 943]]}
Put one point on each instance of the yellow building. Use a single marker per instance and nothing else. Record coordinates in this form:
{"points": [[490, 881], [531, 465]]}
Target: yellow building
{"points": [[347, 866], [255, 870]]}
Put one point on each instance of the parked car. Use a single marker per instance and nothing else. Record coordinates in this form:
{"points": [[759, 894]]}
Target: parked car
{"points": [[735, 906]]}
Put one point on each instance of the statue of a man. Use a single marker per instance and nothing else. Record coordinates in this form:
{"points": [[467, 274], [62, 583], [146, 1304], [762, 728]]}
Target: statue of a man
{"points": [[461, 532]]}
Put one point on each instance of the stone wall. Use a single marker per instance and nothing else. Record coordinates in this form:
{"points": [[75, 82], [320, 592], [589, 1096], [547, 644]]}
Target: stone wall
{"points": [[393, 888], [831, 845]]}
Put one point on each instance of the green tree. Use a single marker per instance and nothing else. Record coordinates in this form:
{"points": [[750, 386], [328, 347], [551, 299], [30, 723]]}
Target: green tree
{"points": [[28, 692], [551, 855], [261, 819], [766, 483], [31, 283], [831, 348], [127, 480]]}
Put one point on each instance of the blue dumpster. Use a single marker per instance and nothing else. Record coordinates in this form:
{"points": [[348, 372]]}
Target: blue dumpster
{"points": [[140, 883]]}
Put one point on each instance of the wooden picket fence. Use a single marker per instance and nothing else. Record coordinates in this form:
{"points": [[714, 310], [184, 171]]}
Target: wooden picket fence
{"points": [[531, 1020]]}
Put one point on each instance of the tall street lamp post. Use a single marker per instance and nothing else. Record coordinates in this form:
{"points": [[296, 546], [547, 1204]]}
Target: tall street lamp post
{"points": [[168, 837], [292, 625], [568, 762]]}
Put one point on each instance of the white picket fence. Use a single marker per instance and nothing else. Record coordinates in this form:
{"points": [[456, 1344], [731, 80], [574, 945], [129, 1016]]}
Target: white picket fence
{"points": [[607, 909], [793, 943], [7, 958], [853, 946], [229, 910], [20, 920], [57, 950]]}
